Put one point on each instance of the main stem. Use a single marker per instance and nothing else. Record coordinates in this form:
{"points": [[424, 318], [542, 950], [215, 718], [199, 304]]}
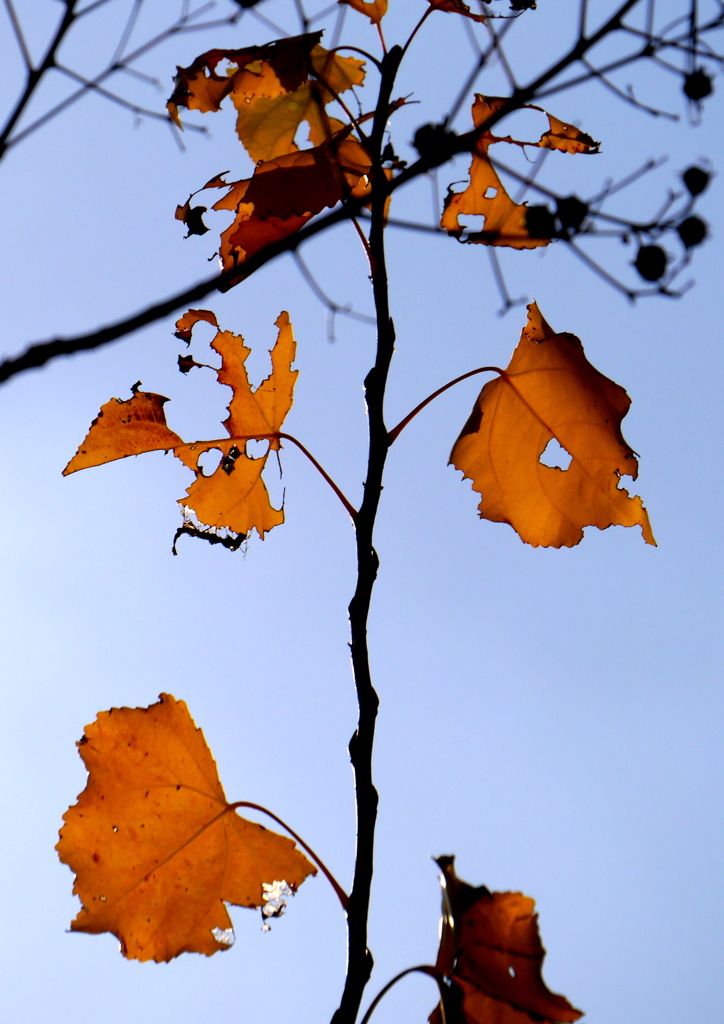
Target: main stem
{"points": [[359, 958]]}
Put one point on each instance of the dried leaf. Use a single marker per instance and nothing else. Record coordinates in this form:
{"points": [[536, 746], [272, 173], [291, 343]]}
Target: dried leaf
{"points": [[234, 496], [125, 428], [504, 220], [491, 951], [285, 193], [274, 88], [374, 9], [155, 846], [550, 390], [455, 7]]}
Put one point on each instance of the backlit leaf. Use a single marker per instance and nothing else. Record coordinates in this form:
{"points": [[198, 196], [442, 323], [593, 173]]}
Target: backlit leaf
{"points": [[125, 428], [156, 848], [550, 390], [490, 949], [374, 9], [504, 220], [274, 88], [285, 193], [234, 496], [455, 7]]}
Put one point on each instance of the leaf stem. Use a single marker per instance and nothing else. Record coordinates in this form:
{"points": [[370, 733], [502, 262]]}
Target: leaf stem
{"points": [[396, 431], [432, 972], [341, 894]]}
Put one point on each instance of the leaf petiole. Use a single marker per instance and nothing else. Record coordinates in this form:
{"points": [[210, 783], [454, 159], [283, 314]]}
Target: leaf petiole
{"points": [[431, 972], [341, 894], [393, 434]]}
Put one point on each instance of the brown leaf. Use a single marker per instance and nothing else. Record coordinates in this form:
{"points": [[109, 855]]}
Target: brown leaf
{"points": [[504, 220], [455, 7], [492, 953], [156, 849], [125, 428], [374, 9], [286, 192], [550, 390]]}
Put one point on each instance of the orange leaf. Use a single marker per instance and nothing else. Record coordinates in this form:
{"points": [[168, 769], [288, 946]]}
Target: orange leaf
{"points": [[125, 428], [156, 849], [455, 7], [550, 390], [234, 496], [491, 950], [504, 220], [374, 9]]}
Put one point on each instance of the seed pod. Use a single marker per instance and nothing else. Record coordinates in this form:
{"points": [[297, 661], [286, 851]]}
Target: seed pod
{"points": [[697, 85], [696, 180], [692, 231], [539, 222], [651, 262], [571, 212]]}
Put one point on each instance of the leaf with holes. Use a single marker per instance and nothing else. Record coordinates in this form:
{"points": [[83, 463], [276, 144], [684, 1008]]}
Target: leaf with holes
{"points": [[234, 496], [156, 848], [491, 952], [550, 390], [274, 89], [504, 220]]}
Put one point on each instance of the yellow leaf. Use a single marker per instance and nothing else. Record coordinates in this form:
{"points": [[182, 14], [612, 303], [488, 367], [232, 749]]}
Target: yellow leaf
{"points": [[550, 390], [156, 848]]}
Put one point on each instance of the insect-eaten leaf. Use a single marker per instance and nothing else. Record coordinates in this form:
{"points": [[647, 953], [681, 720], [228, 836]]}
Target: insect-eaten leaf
{"points": [[492, 956], [273, 87], [504, 220], [550, 390], [234, 497], [156, 848]]}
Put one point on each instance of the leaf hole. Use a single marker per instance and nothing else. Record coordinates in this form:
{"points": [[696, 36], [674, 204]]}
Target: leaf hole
{"points": [[257, 449], [511, 971], [490, 192], [209, 461], [555, 456]]}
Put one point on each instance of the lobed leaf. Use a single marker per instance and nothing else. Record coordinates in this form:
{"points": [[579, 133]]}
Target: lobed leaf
{"points": [[156, 848], [234, 496], [504, 220], [550, 390], [490, 950]]}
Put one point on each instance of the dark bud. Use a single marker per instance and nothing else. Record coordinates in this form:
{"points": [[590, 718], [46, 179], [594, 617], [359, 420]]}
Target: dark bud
{"points": [[522, 5], [195, 221], [651, 262], [539, 222], [697, 85], [692, 231], [434, 142], [571, 212], [696, 180], [248, 3]]}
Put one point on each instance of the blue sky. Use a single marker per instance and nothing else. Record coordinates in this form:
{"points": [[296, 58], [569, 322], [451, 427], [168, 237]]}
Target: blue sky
{"points": [[551, 717]]}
